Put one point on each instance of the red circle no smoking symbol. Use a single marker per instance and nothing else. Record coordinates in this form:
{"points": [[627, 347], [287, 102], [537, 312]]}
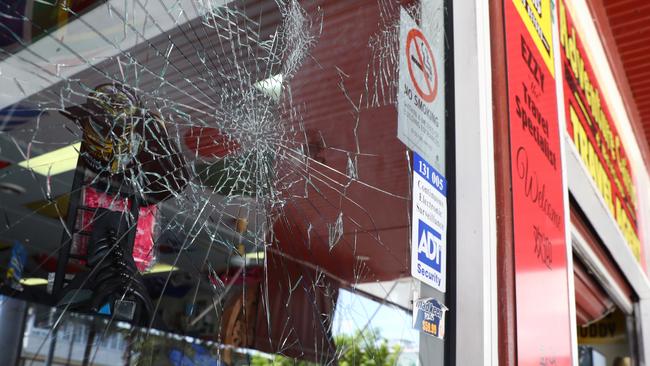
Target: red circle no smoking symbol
{"points": [[421, 65]]}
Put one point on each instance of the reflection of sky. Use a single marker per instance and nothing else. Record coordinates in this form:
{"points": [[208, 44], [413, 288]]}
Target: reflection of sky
{"points": [[355, 312]]}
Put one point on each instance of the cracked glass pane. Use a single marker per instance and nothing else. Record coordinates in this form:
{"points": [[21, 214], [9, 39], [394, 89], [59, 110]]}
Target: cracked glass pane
{"points": [[207, 182]]}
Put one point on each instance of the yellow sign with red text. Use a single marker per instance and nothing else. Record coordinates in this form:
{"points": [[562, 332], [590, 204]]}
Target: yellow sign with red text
{"points": [[538, 19]]}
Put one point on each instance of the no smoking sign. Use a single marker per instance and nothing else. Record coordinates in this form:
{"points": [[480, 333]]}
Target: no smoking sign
{"points": [[421, 65], [420, 101]]}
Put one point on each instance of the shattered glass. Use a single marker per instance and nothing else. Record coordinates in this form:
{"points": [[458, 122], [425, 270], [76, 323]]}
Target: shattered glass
{"points": [[207, 182]]}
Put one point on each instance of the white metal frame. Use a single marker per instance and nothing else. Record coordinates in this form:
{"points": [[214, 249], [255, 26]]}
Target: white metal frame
{"points": [[476, 313], [597, 268], [586, 194], [568, 228]]}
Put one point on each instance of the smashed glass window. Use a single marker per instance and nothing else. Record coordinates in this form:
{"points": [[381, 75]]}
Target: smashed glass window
{"points": [[210, 182]]}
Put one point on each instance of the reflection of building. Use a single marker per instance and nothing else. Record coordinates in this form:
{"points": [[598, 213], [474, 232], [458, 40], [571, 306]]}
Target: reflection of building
{"points": [[294, 223], [71, 342]]}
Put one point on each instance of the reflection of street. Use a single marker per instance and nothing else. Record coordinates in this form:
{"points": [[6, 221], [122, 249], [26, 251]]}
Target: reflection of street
{"points": [[70, 342], [117, 343]]}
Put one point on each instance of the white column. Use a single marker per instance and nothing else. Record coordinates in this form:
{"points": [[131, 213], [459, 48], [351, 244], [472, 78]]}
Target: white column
{"points": [[476, 313]]}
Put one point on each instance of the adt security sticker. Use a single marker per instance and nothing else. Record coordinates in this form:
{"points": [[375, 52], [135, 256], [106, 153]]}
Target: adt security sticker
{"points": [[429, 226]]}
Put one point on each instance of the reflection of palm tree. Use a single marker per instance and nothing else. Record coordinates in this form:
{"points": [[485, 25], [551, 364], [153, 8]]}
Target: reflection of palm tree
{"points": [[367, 348]]}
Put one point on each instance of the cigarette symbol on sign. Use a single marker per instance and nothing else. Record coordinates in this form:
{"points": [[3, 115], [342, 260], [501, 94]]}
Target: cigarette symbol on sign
{"points": [[419, 54], [424, 64]]}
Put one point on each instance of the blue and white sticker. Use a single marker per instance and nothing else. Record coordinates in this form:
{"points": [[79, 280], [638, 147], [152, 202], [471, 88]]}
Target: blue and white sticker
{"points": [[429, 317], [429, 226], [16, 266]]}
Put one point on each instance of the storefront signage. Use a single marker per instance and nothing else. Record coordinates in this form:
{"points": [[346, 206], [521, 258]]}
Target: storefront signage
{"points": [[420, 110], [541, 277], [429, 226], [429, 316], [609, 330], [594, 134], [536, 15]]}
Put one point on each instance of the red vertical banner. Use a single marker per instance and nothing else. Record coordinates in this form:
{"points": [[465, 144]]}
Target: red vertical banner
{"points": [[541, 275]]}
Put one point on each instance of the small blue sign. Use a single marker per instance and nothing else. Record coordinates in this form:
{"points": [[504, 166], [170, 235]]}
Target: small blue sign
{"points": [[429, 248], [429, 317], [105, 310], [429, 173], [16, 266]]}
